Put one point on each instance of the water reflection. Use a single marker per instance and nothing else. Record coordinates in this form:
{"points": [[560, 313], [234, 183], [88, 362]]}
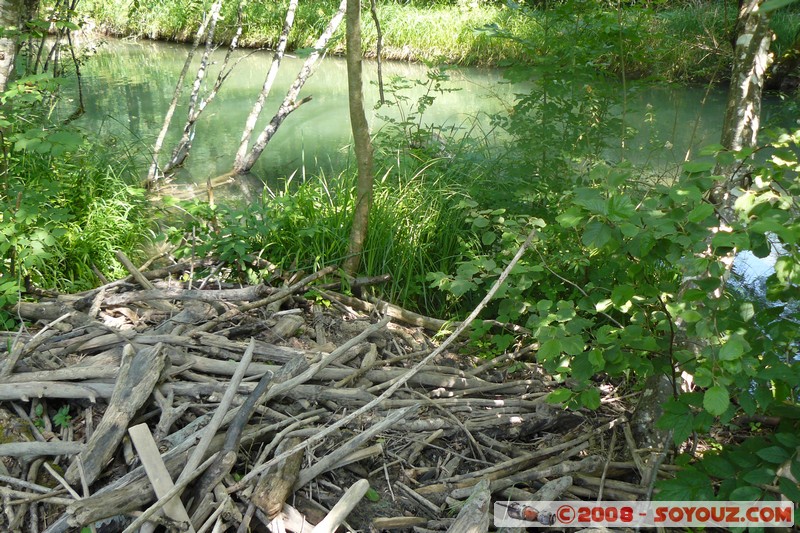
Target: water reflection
{"points": [[129, 86]]}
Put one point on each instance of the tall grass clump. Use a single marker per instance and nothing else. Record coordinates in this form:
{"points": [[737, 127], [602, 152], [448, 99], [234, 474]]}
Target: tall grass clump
{"points": [[414, 228], [64, 214]]}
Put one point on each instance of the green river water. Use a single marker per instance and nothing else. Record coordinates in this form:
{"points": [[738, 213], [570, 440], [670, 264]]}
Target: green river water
{"points": [[128, 87]]}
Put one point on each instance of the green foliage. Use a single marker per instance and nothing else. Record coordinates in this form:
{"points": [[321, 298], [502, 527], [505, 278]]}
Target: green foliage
{"points": [[413, 228], [66, 204], [669, 40], [62, 417]]}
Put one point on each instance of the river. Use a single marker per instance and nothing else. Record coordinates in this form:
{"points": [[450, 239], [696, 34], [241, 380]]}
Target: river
{"points": [[128, 86]]}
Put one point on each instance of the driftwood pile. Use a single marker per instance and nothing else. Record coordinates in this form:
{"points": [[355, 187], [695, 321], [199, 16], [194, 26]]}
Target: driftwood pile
{"points": [[157, 402]]}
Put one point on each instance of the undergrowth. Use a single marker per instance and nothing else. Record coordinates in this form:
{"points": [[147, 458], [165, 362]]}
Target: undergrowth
{"points": [[67, 204], [413, 229]]}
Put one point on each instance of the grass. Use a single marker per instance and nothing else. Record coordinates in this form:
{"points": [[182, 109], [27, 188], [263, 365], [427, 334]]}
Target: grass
{"points": [[414, 228], [65, 214]]}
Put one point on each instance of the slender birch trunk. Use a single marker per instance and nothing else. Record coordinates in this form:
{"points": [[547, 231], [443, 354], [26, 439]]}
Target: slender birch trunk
{"points": [[153, 174], [361, 140], [255, 112], [197, 106], [290, 102]]}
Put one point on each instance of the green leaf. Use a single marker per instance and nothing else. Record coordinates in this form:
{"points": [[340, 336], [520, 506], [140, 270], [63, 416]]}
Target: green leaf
{"points": [[700, 213], [759, 476], [549, 350], [698, 166], [488, 237], [621, 294], [733, 348], [772, 5], [745, 494], [372, 495], [789, 440], [718, 467], [570, 218], [591, 398], [597, 234], [773, 454], [559, 396], [459, 287], [789, 489], [480, 222], [716, 400]]}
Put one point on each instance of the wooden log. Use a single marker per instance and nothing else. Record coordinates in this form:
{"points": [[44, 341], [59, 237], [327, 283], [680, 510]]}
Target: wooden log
{"points": [[245, 294], [138, 374], [273, 488], [55, 389], [72, 373], [474, 515], [158, 474], [343, 507], [29, 450]]}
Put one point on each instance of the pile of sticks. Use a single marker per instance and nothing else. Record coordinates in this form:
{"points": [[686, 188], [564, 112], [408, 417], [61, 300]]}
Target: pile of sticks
{"points": [[151, 402]]}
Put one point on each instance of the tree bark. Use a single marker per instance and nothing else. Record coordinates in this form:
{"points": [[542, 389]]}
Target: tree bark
{"points": [[10, 17], [743, 110], [153, 173], [243, 165], [361, 140], [250, 124]]}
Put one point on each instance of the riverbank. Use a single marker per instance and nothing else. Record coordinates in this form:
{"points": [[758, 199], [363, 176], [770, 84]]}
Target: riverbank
{"points": [[689, 43]]}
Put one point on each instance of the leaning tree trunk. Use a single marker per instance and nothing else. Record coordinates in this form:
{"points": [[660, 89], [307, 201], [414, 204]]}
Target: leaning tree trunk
{"points": [[10, 17], [244, 163], [361, 140], [740, 128], [197, 104], [154, 173], [272, 73]]}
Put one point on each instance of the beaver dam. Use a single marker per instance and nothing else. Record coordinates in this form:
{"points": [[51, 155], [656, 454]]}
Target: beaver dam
{"points": [[163, 402]]}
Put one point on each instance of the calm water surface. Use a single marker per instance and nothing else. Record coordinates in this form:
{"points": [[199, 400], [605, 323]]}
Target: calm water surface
{"points": [[129, 85]]}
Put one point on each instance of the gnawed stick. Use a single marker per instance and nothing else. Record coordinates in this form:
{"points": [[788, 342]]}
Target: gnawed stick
{"points": [[157, 473], [138, 374], [474, 515], [143, 281], [275, 486], [343, 507]]}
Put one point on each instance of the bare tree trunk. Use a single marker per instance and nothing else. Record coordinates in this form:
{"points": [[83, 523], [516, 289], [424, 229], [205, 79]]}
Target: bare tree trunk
{"points": [[153, 173], [10, 16], [290, 102], [743, 110], [378, 48], [250, 124], [361, 141], [184, 146]]}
